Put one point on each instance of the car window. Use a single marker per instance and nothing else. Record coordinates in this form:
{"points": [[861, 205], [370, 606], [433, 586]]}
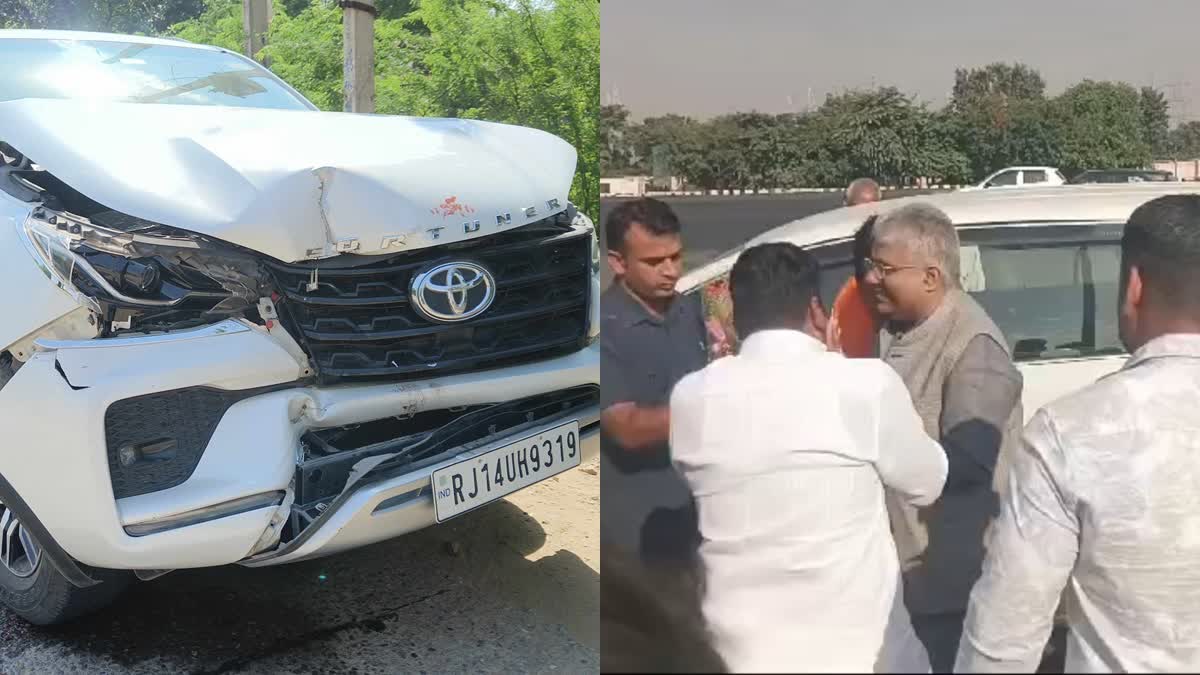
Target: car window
{"points": [[1006, 178], [1052, 301], [138, 73], [1034, 177]]}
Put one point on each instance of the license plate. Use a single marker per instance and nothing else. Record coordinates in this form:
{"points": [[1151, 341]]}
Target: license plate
{"points": [[474, 482]]}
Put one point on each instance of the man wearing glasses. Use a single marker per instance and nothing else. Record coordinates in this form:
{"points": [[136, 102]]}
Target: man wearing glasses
{"points": [[958, 369]]}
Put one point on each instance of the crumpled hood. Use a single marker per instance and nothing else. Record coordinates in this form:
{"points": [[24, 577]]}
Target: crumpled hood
{"points": [[297, 185]]}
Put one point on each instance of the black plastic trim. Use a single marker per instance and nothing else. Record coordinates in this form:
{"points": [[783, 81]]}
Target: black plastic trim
{"points": [[152, 426], [359, 322]]}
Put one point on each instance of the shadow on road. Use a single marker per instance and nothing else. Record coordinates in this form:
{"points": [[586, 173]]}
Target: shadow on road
{"points": [[399, 597]]}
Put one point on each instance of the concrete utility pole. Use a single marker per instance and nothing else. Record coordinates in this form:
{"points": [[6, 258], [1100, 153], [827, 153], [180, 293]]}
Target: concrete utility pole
{"points": [[358, 22], [256, 18]]}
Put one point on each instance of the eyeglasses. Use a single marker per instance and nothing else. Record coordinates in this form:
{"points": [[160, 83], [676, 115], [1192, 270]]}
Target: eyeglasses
{"points": [[884, 269]]}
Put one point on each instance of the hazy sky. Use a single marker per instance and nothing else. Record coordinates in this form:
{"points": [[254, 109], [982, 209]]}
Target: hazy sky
{"points": [[707, 57]]}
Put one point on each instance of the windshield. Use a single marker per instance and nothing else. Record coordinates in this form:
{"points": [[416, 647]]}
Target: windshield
{"points": [[138, 73]]}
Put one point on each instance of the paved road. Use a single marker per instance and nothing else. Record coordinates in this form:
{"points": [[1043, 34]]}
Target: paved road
{"points": [[511, 588]]}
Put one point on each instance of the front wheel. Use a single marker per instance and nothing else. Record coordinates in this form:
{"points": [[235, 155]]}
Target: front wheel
{"points": [[33, 588]]}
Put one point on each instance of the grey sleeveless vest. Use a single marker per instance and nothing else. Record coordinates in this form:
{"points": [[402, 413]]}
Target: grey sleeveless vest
{"points": [[941, 546]]}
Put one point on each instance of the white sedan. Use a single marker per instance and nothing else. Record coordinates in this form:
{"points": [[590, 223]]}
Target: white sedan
{"points": [[1021, 176], [1044, 263]]}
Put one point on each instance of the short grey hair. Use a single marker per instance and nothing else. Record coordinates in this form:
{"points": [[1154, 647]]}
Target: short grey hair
{"points": [[862, 191], [928, 232]]}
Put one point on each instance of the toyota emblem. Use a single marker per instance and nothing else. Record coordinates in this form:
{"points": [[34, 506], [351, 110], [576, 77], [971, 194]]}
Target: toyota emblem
{"points": [[454, 291]]}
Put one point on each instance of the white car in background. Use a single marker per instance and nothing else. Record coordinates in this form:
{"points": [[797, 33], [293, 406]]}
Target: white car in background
{"points": [[1021, 176], [240, 330], [1044, 263]]}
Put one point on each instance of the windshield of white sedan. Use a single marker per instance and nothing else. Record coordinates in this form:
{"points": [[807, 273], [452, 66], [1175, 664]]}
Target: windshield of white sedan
{"points": [[138, 73]]}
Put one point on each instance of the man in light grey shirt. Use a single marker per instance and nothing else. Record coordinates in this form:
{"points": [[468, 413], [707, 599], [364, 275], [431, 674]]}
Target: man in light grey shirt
{"points": [[1103, 497]]}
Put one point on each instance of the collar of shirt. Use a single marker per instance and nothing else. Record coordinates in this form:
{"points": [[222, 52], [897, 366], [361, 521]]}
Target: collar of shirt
{"points": [[631, 312], [1172, 344], [776, 341]]}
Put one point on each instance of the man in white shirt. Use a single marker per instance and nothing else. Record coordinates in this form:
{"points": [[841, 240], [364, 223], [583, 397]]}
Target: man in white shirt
{"points": [[788, 448], [1103, 496]]}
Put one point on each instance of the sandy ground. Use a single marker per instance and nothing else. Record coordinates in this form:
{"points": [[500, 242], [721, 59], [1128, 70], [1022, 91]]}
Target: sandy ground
{"points": [[514, 587]]}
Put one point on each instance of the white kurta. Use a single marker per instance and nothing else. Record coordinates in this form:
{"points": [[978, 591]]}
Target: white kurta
{"points": [[788, 449]]}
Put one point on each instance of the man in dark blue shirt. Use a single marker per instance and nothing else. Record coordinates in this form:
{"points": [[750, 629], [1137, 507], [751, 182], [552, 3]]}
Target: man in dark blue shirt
{"points": [[650, 337]]}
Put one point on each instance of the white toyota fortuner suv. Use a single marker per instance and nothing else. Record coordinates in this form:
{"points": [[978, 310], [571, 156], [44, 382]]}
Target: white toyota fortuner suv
{"points": [[240, 330]]}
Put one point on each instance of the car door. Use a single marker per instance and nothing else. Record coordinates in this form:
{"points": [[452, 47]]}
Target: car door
{"points": [[1052, 290]]}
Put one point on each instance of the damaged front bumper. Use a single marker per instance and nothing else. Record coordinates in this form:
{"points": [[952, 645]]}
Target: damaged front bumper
{"points": [[234, 459]]}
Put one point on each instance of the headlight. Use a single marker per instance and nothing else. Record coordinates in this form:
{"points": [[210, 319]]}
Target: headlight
{"points": [[162, 280]]}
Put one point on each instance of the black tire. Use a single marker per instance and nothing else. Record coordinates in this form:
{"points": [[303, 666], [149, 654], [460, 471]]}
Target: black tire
{"points": [[46, 598]]}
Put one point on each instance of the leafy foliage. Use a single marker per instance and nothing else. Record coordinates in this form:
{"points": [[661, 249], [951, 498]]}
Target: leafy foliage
{"points": [[139, 17], [998, 116], [1184, 141], [523, 62], [1156, 120], [996, 82], [1100, 124]]}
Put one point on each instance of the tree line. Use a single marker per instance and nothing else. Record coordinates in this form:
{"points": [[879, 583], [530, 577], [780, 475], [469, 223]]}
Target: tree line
{"points": [[534, 63], [998, 116]]}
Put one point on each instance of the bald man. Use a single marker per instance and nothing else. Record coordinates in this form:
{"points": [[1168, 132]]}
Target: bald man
{"points": [[862, 191]]}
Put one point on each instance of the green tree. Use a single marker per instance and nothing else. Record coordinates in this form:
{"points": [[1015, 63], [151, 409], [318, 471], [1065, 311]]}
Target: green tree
{"points": [[1100, 126], [770, 146], [996, 82], [1018, 132], [884, 134], [219, 24], [999, 117], [110, 16], [673, 138], [615, 153], [1156, 120], [535, 64], [1185, 141]]}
